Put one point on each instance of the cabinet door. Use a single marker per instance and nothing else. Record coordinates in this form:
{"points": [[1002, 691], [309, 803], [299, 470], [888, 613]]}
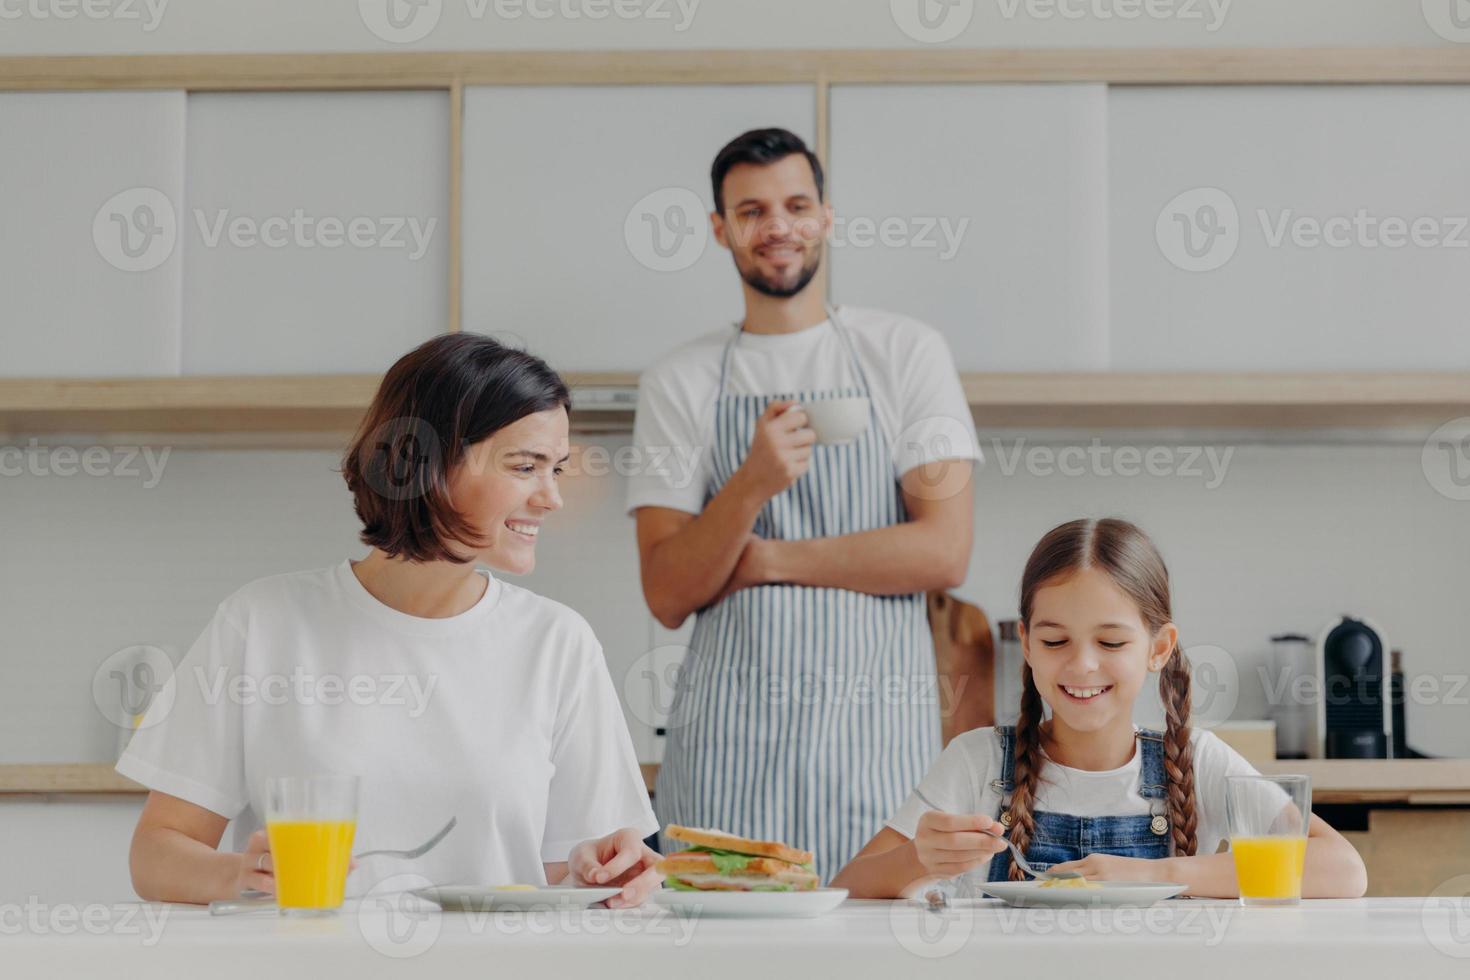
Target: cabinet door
{"points": [[317, 232], [90, 189], [981, 209], [586, 231], [1291, 228]]}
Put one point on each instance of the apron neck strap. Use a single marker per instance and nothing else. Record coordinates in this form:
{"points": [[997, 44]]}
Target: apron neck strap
{"points": [[837, 328]]}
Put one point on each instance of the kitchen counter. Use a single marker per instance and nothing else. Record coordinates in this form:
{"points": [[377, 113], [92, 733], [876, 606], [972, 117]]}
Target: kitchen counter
{"points": [[1422, 938]]}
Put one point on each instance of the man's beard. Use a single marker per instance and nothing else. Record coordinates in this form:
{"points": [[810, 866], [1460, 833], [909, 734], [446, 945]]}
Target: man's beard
{"points": [[779, 289]]}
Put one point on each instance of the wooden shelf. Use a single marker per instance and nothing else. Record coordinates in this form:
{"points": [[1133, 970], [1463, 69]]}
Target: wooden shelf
{"points": [[323, 403], [75, 777], [1415, 781], [333, 403], [1418, 782], [443, 69], [1214, 400], [102, 778]]}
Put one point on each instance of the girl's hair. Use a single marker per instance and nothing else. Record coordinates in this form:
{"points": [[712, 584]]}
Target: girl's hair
{"points": [[1129, 558]]}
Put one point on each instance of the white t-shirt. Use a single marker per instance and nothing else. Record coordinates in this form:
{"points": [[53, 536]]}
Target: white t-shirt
{"points": [[503, 716], [957, 781], [916, 393]]}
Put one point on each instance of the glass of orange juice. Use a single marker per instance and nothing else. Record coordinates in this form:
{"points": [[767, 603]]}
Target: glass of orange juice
{"points": [[1268, 817], [311, 821]]}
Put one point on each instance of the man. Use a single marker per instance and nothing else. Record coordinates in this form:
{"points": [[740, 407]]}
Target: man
{"points": [[806, 707]]}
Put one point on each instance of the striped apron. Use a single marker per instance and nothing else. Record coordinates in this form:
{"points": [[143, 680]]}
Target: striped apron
{"points": [[804, 714]]}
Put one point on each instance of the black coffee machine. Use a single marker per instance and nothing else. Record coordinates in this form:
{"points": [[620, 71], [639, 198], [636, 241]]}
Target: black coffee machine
{"points": [[1354, 713]]}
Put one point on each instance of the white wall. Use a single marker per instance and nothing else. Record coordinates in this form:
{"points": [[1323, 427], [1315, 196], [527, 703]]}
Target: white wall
{"points": [[1289, 538], [149, 26]]}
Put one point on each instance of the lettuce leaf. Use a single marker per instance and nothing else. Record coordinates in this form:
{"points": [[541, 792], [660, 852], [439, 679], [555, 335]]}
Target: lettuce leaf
{"points": [[726, 862]]}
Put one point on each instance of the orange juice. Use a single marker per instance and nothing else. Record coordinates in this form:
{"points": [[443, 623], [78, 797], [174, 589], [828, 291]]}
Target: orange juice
{"points": [[1269, 867], [310, 858]]}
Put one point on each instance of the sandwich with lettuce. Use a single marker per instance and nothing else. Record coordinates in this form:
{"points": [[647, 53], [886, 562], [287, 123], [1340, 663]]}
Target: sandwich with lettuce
{"points": [[717, 861]]}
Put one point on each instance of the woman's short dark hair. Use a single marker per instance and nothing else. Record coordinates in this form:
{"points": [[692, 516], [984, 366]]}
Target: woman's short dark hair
{"points": [[438, 400], [761, 147]]}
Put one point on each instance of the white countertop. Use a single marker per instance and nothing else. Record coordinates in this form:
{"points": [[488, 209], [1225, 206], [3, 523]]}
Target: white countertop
{"points": [[1377, 938]]}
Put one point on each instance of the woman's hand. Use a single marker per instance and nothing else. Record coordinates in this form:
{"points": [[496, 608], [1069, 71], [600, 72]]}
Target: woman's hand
{"points": [[949, 844], [619, 860], [256, 870], [1110, 867]]}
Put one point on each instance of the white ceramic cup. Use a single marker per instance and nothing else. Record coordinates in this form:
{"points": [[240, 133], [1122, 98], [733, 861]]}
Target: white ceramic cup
{"points": [[837, 420]]}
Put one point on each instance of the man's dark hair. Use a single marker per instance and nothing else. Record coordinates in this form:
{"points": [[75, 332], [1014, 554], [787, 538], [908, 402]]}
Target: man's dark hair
{"points": [[438, 400], [761, 147]]}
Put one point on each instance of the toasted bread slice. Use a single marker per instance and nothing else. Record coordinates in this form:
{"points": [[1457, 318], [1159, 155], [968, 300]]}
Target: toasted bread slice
{"points": [[718, 839]]}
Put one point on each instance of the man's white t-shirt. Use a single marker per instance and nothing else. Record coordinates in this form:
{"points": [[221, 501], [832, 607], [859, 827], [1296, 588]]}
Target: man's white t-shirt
{"points": [[503, 716], [957, 781], [916, 393]]}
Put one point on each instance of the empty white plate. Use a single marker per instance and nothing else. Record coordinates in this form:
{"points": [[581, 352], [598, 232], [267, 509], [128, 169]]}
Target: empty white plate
{"points": [[1108, 894], [752, 905], [486, 898]]}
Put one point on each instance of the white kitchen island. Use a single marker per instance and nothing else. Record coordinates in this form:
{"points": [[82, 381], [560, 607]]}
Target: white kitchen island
{"points": [[1369, 938]]}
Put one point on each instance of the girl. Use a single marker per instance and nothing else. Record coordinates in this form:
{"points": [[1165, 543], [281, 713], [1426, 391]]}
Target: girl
{"points": [[448, 691], [1085, 791]]}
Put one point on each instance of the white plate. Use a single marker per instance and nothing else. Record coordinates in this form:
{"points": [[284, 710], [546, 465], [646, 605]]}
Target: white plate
{"points": [[752, 905], [1108, 894], [486, 898]]}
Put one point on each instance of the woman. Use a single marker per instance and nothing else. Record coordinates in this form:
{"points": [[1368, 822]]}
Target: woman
{"points": [[448, 691]]}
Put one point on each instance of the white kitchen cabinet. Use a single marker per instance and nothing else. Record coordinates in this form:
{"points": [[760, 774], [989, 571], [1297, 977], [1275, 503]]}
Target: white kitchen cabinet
{"points": [[981, 209], [316, 238], [1300, 205], [90, 187], [586, 235]]}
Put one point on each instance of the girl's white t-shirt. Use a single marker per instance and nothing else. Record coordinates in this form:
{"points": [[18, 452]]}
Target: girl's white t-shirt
{"points": [[916, 393], [503, 716], [957, 781]]}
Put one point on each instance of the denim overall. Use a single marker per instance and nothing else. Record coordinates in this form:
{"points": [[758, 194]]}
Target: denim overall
{"points": [[1062, 837]]}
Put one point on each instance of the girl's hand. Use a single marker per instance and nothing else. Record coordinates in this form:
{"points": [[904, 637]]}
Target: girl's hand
{"points": [[256, 871], [949, 844], [619, 860], [1110, 867]]}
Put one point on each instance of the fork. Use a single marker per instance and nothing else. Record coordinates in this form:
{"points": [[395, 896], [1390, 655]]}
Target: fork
{"points": [[253, 899], [938, 899]]}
